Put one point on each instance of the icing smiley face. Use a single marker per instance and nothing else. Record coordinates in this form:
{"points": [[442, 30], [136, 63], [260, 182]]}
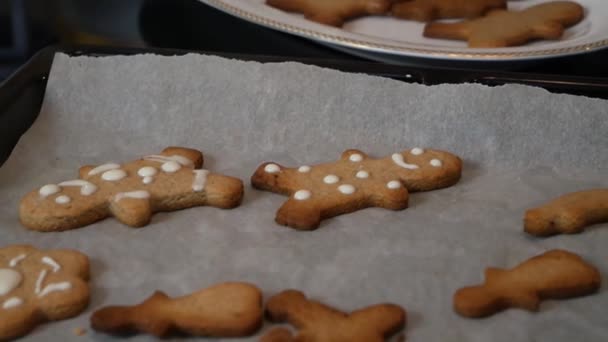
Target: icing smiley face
{"points": [[355, 182], [38, 286], [131, 192]]}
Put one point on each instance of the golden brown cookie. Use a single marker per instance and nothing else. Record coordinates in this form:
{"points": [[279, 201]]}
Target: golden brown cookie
{"points": [[131, 192], [354, 182], [553, 275], [568, 214], [334, 12], [317, 322], [428, 10], [37, 286], [503, 28], [224, 310]]}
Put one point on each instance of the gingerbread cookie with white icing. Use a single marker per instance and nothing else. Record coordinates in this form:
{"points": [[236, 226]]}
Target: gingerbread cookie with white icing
{"points": [[355, 182], [131, 192], [37, 286]]}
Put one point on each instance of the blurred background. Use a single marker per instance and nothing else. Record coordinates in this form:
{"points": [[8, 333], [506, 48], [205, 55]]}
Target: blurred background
{"points": [[26, 26]]}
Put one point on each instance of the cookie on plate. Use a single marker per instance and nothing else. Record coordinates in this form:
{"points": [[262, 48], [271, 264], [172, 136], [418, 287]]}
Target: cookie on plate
{"points": [[502, 28]]}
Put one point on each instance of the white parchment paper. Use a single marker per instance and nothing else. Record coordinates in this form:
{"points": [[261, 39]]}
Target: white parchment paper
{"points": [[521, 146]]}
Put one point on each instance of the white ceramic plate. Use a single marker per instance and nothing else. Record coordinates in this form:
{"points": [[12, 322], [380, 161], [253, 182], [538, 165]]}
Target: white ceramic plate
{"points": [[397, 41]]}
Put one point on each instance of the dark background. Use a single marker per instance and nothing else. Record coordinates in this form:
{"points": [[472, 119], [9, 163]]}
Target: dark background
{"points": [[26, 26]]}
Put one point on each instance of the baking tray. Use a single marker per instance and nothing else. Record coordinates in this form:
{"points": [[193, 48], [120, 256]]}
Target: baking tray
{"points": [[21, 94]]}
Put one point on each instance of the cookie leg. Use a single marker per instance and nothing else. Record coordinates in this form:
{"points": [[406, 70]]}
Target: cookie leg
{"points": [[299, 214], [132, 211], [549, 30], [125, 320]]}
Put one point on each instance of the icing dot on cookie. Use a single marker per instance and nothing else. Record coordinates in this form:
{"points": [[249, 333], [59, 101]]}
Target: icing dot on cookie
{"points": [[9, 280], [304, 168], [272, 168], [63, 199], [355, 157], [113, 175], [346, 189], [49, 189], [436, 162], [12, 302], [147, 180], [362, 174], [393, 185], [302, 195], [171, 166], [331, 179], [417, 151], [147, 171]]}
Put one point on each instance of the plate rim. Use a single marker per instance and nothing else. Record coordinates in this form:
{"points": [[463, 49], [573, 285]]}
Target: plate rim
{"points": [[397, 50]]}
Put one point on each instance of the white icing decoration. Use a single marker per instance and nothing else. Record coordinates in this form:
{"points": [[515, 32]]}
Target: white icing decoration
{"points": [[114, 175], [147, 171], [346, 189], [39, 281], [304, 168], [86, 188], [331, 179], [147, 180], [355, 157], [48, 190], [140, 194], [16, 260], [53, 287], [104, 168], [436, 162], [362, 174], [417, 151], [63, 199], [200, 179], [272, 168], [398, 159], [12, 303], [51, 262], [176, 158], [171, 166], [393, 185], [302, 195], [9, 280]]}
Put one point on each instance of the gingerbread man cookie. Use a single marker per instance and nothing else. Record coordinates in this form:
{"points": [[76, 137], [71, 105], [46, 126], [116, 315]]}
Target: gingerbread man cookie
{"points": [[568, 214], [554, 274], [224, 310], [131, 192], [502, 28], [428, 10], [318, 322], [334, 12], [37, 286], [354, 182]]}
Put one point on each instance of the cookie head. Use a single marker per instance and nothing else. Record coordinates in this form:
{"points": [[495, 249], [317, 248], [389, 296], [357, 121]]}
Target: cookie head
{"points": [[38, 286]]}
